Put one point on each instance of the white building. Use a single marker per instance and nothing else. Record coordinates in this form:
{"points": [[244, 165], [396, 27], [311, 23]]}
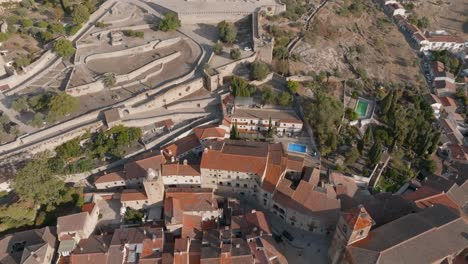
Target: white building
{"points": [[180, 175]]}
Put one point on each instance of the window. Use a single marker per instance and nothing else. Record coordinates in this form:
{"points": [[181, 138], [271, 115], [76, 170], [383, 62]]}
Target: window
{"points": [[361, 232], [220, 183], [229, 184], [237, 185], [245, 185]]}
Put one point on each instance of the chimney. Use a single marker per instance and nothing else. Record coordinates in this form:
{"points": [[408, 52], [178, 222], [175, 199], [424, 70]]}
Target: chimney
{"points": [[144, 231], [172, 159], [205, 150], [104, 244], [237, 245], [162, 152], [254, 211], [185, 162], [210, 146], [154, 237]]}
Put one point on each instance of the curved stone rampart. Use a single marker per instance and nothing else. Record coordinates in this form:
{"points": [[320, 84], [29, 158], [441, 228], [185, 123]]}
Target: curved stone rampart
{"points": [[120, 53], [106, 31], [132, 75]]}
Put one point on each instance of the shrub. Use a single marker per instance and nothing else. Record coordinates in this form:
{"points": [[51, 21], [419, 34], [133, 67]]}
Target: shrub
{"points": [[218, 48], [64, 48], [227, 32], [3, 37], [21, 61], [80, 14], [293, 86], [100, 24], [259, 70], [134, 34], [57, 28], [26, 23], [235, 54], [170, 22], [42, 24]]}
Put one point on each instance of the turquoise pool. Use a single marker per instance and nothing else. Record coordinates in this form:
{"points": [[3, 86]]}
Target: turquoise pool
{"points": [[297, 148], [361, 108]]}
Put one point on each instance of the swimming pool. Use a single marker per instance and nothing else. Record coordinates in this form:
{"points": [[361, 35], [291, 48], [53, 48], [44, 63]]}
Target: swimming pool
{"points": [[361, 108], [297, 148]]}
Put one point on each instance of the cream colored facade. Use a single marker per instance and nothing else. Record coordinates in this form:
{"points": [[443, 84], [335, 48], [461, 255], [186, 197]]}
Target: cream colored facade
{"points": [[255, 124], [181, 180]]}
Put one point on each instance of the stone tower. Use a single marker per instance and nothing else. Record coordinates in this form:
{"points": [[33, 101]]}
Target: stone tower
{"points": [[352, 226], [154, 187]]}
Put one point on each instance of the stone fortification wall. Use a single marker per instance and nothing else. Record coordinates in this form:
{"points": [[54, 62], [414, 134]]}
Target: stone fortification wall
{"points": [[107, 31], [142, 96], [132, 75], [171, 95], [49, 144], [195, 103], [141, 122], [120, 53], [98, 85], [47, 58], [216, 80]]}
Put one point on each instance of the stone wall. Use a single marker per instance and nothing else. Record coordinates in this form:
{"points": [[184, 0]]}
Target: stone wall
{"points": [[195, 103], [215, 80], [141, 122], [106, 31], [120, 53]]}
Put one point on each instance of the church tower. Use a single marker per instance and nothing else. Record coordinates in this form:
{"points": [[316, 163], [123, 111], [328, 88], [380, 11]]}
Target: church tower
{"points": [[352, 226], [154, 186]]}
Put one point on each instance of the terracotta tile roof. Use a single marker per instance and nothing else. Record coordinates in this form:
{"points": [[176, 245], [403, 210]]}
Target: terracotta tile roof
{"points": [[111, 177], [458, 152], [181, 146], [443, 84], [276, 166], [88, 207], [306, 199], [242, 156], [176, 169], [447, 101], [445, 38], [295, 163], [348, 183], [136, 235], [138, 169], [357, 218], [72, 223], [167, 123], [92, 250], [209, 131], [132, 195], [180, 200], [442, 199], [414, 238], [191, 226], [257, 219]]}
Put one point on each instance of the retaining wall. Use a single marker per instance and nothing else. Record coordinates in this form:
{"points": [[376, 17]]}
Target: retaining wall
{"points": [[141, 122], [106, 31], [169, 96], [132, 75], [200, 103], [120, 53]]}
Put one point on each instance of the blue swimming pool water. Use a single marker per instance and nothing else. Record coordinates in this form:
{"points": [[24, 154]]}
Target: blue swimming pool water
{"points": [[297, 147]]}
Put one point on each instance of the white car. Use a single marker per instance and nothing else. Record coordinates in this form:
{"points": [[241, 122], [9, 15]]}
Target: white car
{"points": [[247, 49]]}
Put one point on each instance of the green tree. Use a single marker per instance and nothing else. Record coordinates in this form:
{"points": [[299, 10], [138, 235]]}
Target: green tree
{"points": [[63, 104], [284, 99], [20, 104], [352, 155], [64, 48], [132, 215], [234, 132], [281, 53], [235, 54], [227, 32], [109, 79], [21, 61], [293, 86], [16, 215], [36, 183], [27, 22], [218, 48], [69, 149], [350, 114], [324, 116], [56, 28], [423, 23], [170, 22], [259, 70], [268, 96], [368, 136], [375, 153], [80, 14], [240, 87], [3, 37]]}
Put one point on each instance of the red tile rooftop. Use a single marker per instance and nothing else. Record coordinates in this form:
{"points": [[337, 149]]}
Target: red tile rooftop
{"points": [[132, 195], [176, 169], [88, 207], [209, 131], [181, 146], [111, 177]]}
